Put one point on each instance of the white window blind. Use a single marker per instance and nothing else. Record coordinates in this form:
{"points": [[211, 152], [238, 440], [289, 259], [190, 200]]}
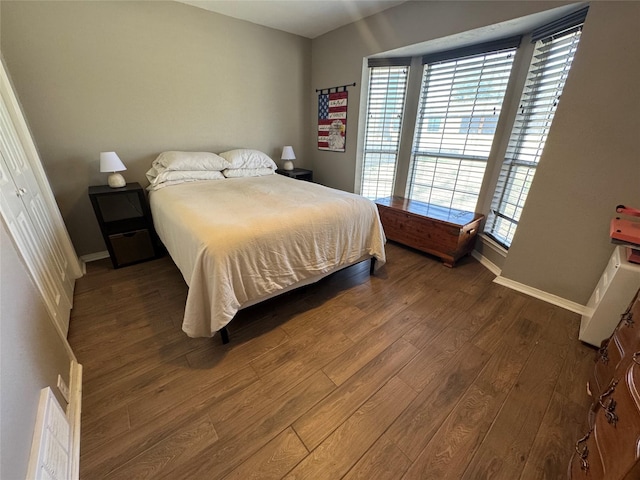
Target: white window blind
{"points": [[548, 72], [387, 91], [460, 103]]}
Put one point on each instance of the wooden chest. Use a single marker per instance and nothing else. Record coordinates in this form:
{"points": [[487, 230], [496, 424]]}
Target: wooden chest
{"points": [[444, 232]]}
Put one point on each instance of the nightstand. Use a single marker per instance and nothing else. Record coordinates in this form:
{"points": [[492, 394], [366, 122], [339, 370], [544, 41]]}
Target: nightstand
{"points": [[297, 173], [125, 222]]}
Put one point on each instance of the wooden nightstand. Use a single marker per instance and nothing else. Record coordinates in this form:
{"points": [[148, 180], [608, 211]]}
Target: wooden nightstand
{"points": [[125, 222], [297, 173]]}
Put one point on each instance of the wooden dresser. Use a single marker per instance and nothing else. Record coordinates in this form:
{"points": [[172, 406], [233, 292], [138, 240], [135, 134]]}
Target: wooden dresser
{"points": [[444, 232], [610, 450]]}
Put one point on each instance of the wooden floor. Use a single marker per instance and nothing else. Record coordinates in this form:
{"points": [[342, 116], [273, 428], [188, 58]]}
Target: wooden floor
{"points": [[418, 372]]}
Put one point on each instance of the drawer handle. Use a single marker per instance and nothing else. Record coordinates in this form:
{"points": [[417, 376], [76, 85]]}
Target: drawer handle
{"points": [[604, 353], [471, 232], [584, 452], [627, 318], [609, 413], [610, 406]]}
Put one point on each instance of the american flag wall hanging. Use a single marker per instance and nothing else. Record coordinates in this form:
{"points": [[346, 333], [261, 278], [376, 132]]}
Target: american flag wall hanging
{"points": [[332, 119]]}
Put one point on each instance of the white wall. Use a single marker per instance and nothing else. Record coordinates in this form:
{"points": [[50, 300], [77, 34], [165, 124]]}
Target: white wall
{"points": [[32, 354]]}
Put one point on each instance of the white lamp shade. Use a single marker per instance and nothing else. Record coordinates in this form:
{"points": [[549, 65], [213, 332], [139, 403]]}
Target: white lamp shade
{"points": [[287, 153], [110, 162], [288, 156]]}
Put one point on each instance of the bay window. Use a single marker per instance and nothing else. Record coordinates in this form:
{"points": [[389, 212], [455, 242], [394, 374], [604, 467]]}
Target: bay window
{"points": [[459, 102]]}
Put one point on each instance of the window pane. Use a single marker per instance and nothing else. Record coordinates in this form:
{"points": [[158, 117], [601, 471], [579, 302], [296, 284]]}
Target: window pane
{"points": [[449, 156], [545, 81], [387, 89]]}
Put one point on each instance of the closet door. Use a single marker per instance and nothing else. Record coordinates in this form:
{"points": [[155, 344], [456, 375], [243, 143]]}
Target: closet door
{"points": [[32, 218]]}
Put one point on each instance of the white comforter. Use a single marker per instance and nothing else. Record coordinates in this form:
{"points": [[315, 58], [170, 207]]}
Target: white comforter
{"points": [[240, 240]]}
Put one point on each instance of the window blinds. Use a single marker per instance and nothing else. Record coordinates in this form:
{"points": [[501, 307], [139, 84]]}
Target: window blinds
{"points": [[387, 91], [547, 75], [460, 103]]}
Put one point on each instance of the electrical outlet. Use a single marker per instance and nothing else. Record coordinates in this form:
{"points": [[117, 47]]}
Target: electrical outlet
{"points": [[64, 389]]}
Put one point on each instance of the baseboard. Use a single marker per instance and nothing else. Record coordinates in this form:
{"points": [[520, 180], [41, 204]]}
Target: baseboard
{"points": [[485, 262], [74, 411], [92, 257], [492, 244], [541, 295], [526, 289]]}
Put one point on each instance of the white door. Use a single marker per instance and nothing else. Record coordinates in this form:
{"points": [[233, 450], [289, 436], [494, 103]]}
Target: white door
{"points": [[31, 214]]}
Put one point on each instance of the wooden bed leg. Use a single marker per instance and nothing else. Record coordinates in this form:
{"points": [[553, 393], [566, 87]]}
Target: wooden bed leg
{"points": [[224, 334], [373, 265]]}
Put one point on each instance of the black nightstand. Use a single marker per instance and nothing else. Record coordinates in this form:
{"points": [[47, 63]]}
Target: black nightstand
{"points": [[125, 222], [298, 173]]}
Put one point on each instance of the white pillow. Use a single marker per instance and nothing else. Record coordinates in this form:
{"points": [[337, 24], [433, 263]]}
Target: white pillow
{"points": [[190, 161], [247, 158], [174, 177], [247, 172]]}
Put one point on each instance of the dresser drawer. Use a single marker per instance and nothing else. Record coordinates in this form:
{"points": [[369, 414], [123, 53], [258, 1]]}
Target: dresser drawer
{"points": [[612, 449], [617, 426], [607, 361], [618, 350]]}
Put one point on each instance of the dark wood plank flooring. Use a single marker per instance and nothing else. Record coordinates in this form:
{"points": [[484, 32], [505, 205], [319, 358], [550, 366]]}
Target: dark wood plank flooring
{"points": [[418, 372]]}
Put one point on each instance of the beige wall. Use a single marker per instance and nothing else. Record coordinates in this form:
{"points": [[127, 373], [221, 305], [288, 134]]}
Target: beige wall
{"points": [[32, 354], [143, 77], [337, 58], [592, 160]]}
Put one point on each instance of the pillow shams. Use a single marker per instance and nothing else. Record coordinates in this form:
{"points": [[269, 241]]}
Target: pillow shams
{"points": [[247, 172], [169, 177], [247, 158], [191, 161]]}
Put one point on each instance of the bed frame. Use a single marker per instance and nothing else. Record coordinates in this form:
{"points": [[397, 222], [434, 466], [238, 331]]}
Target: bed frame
{"points": [[224, 333]]}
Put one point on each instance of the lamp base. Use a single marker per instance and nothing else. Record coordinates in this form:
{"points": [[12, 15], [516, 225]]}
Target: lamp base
{"points": [[116, 180], [287, 165]]}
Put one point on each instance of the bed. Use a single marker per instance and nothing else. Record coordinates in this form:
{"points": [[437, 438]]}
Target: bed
{"points": [[239, 241]]}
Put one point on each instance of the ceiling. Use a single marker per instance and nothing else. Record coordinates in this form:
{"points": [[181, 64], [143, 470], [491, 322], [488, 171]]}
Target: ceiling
{"points": [[312, 18], [307, 18]]}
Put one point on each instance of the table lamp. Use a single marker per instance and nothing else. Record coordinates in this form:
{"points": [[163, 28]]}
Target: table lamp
{"points": [[288, 156], [110, 162]]}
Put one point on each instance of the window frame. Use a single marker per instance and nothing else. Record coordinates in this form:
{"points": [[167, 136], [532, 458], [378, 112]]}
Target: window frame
{"points": [[369, 188], [528, 133], [478, 78]]}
